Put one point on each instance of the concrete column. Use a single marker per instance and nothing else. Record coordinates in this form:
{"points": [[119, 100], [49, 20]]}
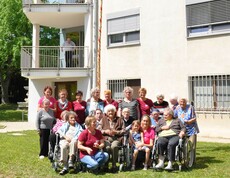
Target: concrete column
{"points": [[35, 50]]}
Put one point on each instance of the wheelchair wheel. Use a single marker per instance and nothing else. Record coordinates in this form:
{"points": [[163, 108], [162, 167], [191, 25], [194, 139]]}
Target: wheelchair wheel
{"points": [[188, 154]]}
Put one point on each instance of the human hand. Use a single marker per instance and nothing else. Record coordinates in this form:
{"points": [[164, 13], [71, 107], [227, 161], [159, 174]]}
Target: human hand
{"points": [[68, 139], [96, 144], [165, 127], [89, 150]]}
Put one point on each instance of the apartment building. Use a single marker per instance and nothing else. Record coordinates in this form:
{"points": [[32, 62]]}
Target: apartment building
{"points": [[179, 47]]}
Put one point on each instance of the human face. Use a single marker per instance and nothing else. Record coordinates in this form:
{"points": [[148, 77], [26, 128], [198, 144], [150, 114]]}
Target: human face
{"points": [[142, 94], [128, 94], [160, 99], [167, 116], [182, 103], [72, 120], [98, 114], [46, 104], [126, 114], [63, 96], [173, 101], [96, 94], [107, 96], [145, 123], [47, 93], [93, 124], [155, 115], [79, 97], [136, 127], [110, 114]]}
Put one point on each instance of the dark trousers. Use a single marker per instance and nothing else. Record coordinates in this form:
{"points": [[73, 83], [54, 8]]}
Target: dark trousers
{"points": [[44, 142], [69, 58], [52, 139], [168, 144]]}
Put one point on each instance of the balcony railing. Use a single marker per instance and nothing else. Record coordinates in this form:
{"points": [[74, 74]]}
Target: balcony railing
{"points": [[54, 1], [50, 57]]}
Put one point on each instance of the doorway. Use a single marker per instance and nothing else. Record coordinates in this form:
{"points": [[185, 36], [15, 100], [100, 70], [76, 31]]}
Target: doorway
{"points": [[71, 88]]}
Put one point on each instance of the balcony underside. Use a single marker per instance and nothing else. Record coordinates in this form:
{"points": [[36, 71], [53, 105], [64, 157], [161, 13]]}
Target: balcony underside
{"points": [[56, 15], [39, 73]]}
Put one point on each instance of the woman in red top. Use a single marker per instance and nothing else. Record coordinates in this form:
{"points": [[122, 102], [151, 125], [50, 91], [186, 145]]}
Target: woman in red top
{"points": [[145, 104], [90, 143], [63, 104], [79, 106]]}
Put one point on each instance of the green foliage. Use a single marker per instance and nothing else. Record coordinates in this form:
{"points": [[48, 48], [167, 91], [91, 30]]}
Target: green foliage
{"points": [[9, 112], [20, 159], [49, 36]]}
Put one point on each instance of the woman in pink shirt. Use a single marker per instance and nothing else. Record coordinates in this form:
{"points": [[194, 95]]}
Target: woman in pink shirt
{"points": [[48, 95], [149, 135]]}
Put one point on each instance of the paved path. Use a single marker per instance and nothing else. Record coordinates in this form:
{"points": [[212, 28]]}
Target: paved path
{"points": [[20, 126]]}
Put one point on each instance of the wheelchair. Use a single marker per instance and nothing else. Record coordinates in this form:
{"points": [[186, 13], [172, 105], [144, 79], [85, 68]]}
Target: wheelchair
{"points": [[125, 154], [184, 154], [55, 156]]}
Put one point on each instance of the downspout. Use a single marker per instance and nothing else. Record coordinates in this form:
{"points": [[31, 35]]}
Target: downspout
{"points": [[95, 41]]}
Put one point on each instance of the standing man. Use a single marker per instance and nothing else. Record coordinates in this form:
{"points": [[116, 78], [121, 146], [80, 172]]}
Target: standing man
{"points": [[68, 46]]}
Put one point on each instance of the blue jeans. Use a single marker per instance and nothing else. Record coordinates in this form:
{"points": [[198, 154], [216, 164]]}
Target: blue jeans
{"points": [[95, 161]]}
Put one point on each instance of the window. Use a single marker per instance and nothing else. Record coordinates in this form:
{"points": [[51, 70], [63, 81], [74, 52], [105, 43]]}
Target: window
{"points": [[207, 18], [123, 28], [117, 87], [210, 92]]}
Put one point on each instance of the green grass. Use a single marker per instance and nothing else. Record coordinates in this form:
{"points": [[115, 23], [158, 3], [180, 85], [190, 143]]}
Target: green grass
{"points": [[19, 158], [9, 112]]}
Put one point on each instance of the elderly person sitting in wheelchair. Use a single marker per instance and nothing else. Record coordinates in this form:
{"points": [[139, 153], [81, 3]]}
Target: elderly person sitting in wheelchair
{"points": [[169, 131], [186, 113], [113, 129]]}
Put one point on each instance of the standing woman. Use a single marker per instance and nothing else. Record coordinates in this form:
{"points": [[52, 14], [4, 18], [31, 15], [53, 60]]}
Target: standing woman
{"points": [[90, 144], [45, 121], [48, 95], [63, 104], [95, 102], [130, 103], [145, 104], [79, 106]]}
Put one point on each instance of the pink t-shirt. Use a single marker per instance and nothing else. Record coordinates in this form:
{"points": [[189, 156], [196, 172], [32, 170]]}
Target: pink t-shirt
{"points": [[52, 101], [89, 141], [148, 135]]}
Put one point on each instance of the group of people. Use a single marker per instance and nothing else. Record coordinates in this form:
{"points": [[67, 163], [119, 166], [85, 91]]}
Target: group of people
{"points": [[97, 127]]}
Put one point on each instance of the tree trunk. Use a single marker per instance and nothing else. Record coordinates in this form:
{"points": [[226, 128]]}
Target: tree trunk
{"points": [[4, 91]]}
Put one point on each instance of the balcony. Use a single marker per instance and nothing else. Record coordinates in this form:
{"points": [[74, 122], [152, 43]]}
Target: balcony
{"points": [[57, 13], [49, 62]]}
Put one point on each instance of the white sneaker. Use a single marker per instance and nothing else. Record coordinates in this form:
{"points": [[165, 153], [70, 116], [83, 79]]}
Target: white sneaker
{"points": [[145, 168], [160, 165], [133, 168], [169, 167], [41, 157]]}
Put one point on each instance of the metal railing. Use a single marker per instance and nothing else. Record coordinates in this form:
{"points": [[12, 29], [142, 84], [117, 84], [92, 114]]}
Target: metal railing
{"points": [[24, 2], [46, 57]]}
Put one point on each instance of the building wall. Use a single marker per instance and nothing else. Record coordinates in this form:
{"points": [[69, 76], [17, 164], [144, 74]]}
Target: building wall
{"points": [[36, 92], [162, 49]]}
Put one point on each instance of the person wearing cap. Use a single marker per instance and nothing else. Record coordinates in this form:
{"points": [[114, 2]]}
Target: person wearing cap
{"points": [[155, 116]]}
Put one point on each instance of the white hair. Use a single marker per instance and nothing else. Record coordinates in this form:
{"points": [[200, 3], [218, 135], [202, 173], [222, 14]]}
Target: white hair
{"points": [[160, 95], [109, 107], [93, 90], [173, 97], [128, 89]]}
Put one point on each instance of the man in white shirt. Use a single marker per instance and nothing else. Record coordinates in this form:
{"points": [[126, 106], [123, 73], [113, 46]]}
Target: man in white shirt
{"points": [[68, 46]]}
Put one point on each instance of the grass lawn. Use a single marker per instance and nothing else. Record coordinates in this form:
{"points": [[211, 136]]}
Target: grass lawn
{"points": [[9, 112], [19, 158]]}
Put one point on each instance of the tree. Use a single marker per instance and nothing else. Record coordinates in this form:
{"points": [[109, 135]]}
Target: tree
{"points": [[15, 31]]}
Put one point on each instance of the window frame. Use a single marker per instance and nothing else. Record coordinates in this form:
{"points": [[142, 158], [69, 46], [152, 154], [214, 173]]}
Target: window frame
{"points": [[131, 16]]}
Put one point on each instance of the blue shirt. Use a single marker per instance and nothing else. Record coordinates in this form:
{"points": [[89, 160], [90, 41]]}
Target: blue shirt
{"points": [[187, 114]]}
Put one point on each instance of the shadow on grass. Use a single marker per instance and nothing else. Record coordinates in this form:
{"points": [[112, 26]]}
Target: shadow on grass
{"points": [[203, 162]]}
